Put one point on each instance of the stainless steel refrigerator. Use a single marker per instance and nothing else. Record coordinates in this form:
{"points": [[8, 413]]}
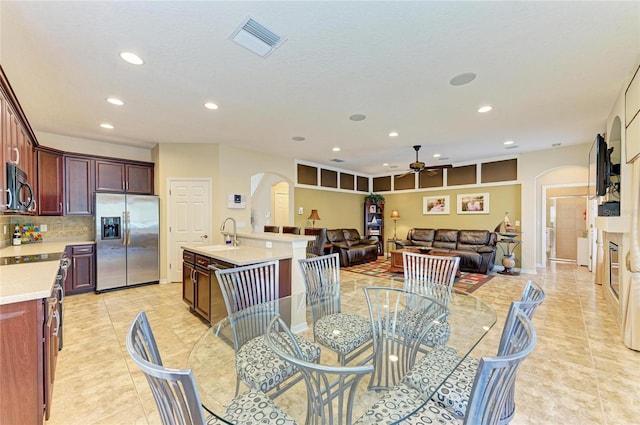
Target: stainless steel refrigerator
{"points": [[127, 240]]}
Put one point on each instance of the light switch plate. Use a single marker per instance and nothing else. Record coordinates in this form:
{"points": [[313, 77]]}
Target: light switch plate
{"points": [[43, 227], [517, 222], [300, 211], [269, 244]]}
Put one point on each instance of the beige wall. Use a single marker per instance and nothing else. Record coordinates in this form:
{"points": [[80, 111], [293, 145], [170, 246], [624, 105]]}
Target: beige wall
{"points": [[230, 169], [92, 147], [336, 209]]}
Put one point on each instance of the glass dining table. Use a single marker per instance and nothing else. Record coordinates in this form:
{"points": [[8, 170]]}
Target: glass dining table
{"points": [[212, 358]]}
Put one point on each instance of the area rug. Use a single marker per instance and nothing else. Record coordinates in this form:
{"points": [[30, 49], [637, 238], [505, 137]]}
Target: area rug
{"points": [[468, 282]]}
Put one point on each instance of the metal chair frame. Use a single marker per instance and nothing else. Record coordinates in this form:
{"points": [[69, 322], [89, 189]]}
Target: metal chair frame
{"points": [[174, 390], [322, 282], [431, 275], [324, 383], [400, 321]]}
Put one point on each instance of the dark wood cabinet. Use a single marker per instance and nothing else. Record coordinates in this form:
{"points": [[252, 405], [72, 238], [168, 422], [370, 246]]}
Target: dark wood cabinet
{"points": [[78, 185], [50, 182], [81, 276], [374, 223], [22, 362], [201, 290], [123, 177]]}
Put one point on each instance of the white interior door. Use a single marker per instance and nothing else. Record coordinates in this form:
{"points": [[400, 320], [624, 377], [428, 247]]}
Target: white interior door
{"points": [[189, 219], [281, 206]]}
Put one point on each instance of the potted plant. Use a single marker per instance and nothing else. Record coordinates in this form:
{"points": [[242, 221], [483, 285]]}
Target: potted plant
{"points": [[374, 198]]}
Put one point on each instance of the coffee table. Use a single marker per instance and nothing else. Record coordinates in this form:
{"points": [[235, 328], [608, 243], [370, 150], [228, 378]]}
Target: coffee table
{"points": [[397, 266]]}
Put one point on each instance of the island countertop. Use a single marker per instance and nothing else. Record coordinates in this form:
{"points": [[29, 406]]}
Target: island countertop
{"points": [[240, 255], [30, 281]]}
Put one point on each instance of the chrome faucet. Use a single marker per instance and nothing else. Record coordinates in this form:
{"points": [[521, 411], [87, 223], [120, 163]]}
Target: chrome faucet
{"points": [[235, 235]]}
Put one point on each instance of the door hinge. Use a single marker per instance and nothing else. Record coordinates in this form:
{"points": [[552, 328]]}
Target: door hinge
{"points": [[169, 228], [169, 266]]}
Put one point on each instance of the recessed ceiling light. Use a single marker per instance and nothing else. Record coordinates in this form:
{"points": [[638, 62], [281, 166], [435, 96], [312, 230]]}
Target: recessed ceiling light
{"points": [[115, 101], [357, 117], [211, 105], [106, 125], [393, 134], [386, 164], [436, 155], [298, 139], [509, 142], [485, 108], [132, 58], [336, 149], [462, 79]]}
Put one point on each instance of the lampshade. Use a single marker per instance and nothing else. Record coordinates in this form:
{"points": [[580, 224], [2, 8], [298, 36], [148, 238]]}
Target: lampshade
{"points": [[314, 215], [395, 215]]}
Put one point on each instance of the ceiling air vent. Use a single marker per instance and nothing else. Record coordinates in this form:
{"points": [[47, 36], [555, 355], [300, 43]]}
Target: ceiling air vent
{"points": [[256, 37], [336, 160]]}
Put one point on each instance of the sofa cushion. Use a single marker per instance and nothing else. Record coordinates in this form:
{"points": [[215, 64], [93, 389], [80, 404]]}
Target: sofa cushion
{"points": [[472, 240], [445, 238], [351, 235], [335, 235], [422, 235]]}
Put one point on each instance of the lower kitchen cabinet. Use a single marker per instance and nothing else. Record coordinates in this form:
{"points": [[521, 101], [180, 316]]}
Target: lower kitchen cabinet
{"points": [[81, 276], [28, 352]]}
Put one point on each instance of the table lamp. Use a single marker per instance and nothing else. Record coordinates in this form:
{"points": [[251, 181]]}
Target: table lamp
{"points": [[313, 217], [395, 215]]}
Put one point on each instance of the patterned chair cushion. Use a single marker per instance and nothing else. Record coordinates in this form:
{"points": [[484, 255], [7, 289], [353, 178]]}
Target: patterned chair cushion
{"points": [[438, 334], [455, 391], [342, 332], [432, 368], [399, 402], [261, 369], [253, 407], [431, 413]]}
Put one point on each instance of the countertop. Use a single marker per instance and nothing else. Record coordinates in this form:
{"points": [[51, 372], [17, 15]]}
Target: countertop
{"points": [[241, 255], [30, 281]]}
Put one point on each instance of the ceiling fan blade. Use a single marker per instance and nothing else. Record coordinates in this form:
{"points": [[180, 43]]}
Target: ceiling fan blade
{"points": [[405, 174]]}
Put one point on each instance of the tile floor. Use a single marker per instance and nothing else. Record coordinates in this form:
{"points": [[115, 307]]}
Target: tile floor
{"points": [[579, 373]]}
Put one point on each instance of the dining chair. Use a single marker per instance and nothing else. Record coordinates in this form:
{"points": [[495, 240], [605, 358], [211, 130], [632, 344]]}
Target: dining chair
{"points": [[433, 276], [400, 321], [491, 384], [175, 391], [291, 229], [344, 333], [272, 229], [245, 289], [454, 394], [325, 384]]}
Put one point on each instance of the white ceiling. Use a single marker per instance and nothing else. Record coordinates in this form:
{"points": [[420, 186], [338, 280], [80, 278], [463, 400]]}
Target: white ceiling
{"points": [[551, 71]]}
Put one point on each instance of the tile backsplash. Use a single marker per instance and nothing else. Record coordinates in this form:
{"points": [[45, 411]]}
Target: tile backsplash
{"points": [[58, 228]]}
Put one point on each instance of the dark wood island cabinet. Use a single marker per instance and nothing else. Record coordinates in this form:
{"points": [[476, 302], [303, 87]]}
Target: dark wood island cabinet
{"points": [[200, 288]]}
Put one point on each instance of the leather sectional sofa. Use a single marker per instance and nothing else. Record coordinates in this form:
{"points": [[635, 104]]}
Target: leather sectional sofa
{"points": [[351, 247], [477, 248]]}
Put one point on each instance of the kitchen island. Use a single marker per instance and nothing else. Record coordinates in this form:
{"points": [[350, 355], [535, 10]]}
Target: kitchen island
{"points": [[200, 288]]}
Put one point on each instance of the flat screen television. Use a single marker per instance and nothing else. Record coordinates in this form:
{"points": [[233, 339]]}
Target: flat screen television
{"points": [[599, 167]]}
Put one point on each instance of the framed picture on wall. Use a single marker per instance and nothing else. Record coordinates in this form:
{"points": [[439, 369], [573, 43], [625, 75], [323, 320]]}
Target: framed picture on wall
{"points": [[473, 203], [435, 205]]}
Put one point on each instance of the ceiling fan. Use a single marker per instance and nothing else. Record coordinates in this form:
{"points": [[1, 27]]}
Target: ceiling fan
{"points": [[419, 166]]}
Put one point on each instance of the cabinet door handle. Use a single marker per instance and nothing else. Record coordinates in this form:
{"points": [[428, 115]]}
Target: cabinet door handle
{"points": [[57, 328], [123, 188], [9, 198], [60, 206], [17, 151]]}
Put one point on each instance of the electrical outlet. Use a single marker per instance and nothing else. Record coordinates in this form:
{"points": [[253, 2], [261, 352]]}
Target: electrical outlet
{"points": [[517, 223], [43, 227], [269, 244]]}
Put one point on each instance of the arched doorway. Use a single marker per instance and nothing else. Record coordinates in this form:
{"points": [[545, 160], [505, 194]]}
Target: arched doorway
{"points": [[271, 200]]}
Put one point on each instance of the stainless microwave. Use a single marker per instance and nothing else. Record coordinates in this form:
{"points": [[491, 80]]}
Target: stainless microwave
{"points": [[19, 191]]}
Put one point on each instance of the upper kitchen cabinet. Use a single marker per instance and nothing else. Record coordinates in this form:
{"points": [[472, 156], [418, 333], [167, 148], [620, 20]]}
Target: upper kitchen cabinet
{"points": [[50, 182], [78, 185], [18, 142], [124, 177]]}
